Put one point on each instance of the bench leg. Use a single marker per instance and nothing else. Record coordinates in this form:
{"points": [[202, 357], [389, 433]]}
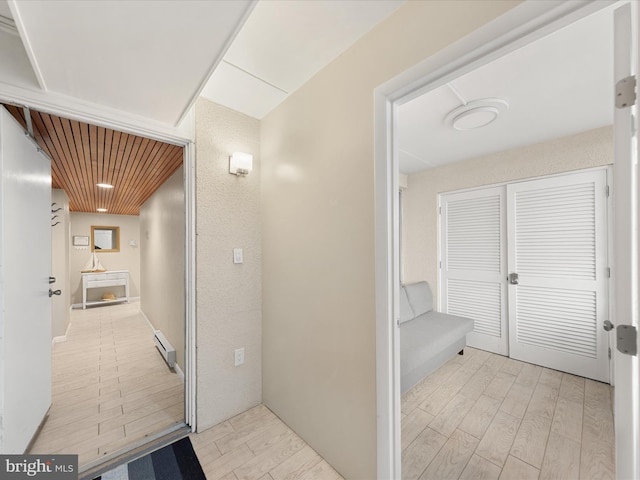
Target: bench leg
{"points": [[461, 352]]}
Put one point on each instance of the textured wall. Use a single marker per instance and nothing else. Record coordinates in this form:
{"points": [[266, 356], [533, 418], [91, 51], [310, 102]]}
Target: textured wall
{"points": [[229, 295], [319, 329], [162, 223], [128, 258], [60, 241], [420, 235]]}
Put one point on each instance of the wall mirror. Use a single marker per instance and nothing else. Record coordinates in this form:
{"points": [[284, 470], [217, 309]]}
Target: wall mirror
{"points": [[105, 239]]}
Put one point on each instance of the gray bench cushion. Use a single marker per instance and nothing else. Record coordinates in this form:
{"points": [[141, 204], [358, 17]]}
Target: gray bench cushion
{"points": [[406, 312], [423, 338], [420, 297]]}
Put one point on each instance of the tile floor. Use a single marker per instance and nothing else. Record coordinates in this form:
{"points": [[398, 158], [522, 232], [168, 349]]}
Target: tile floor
{"points": [[485, 416], [257, 445], [110, 385]]}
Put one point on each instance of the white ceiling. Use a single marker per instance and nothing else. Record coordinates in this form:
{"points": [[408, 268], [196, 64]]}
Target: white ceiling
{"points": [[283, 44], [560, 85], [145, 58]]}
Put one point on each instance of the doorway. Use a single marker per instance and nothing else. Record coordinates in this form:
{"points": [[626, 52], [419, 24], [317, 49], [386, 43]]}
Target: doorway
{"points": [[501, 37], [87, 154]]}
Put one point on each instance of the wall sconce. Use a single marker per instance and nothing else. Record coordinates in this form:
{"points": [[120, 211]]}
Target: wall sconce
{"points": [[240, 163]]}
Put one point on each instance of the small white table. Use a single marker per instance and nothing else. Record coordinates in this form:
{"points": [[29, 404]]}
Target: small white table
{"points": [[111, 278]]}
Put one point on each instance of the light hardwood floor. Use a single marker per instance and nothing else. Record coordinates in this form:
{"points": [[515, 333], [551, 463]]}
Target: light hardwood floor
{"points": [[485, 416], [111, 387], [257, 445]]}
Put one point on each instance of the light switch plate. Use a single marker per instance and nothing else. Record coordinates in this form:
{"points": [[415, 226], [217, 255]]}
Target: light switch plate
{"points": [[237, 255], [238, 356]]}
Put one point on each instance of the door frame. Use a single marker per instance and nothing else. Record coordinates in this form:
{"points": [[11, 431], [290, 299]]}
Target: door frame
{"points": [[182, 135], [522, 25]]}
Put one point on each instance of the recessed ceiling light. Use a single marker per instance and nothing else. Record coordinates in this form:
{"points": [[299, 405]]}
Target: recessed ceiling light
{"points": [[104, 185], [102, 210], [476, 114]]}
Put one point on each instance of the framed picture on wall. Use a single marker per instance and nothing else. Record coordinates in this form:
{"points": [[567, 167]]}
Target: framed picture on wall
{"points": [[80, 240]]}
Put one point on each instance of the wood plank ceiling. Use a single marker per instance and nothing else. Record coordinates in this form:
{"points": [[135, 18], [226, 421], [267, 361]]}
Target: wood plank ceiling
{"points": [[84, 155]]}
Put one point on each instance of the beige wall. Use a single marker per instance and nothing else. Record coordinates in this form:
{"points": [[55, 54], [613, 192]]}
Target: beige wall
{"points": [[60, 241], [229, 295], [420, 200], [128, 258], [162, 233], [319, 330]]}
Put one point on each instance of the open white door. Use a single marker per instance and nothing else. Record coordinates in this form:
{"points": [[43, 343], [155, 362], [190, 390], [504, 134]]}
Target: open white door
{"points": [[25, 265], [625, 272]]}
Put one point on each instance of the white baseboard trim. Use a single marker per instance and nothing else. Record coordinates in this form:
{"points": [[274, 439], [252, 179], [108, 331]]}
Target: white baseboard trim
{"points": [[153, 329], [61, 338], [179, 372]]}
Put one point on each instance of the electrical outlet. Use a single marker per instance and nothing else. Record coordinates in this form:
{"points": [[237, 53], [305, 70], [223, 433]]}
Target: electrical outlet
{"points": [[237, 255], [238, 356]]}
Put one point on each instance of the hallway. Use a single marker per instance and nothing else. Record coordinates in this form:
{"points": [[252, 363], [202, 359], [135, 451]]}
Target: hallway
{"points": [[111, 388]]}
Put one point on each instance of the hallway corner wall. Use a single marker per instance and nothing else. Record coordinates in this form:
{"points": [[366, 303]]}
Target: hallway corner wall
{"points": [[60, 240], [228, 295]]}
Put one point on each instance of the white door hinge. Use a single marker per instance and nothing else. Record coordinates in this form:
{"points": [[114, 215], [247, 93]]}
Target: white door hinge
{"points": [[626, 92], [608, 191], [609, 353], [608, 272]]}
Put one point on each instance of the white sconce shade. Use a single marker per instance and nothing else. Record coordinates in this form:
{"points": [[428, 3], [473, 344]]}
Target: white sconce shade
{"points": [[240, 163]]}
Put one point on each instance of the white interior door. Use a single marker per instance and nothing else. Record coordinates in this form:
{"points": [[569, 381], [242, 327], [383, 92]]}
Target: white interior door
{"points": [[25, 264], [625, 251], [473, 253], [557, 243]]}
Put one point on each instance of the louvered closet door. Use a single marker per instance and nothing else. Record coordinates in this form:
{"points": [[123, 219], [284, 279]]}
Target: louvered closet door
{"points": [[473, 276], [557, 238]]}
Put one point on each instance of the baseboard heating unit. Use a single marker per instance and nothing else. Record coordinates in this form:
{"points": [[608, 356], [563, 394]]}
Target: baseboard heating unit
{"points": [[165, 348]]}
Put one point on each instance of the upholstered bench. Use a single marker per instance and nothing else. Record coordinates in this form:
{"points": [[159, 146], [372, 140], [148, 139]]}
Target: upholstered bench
{"points": [[427, 338]]}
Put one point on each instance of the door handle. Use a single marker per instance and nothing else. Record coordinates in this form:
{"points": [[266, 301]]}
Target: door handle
{"points": [[513, 278], [54, 292], [608, 326]]}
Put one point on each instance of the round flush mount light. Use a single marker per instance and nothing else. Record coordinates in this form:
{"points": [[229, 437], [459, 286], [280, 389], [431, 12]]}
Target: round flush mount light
{"points": [[104, 185], [476, 114]]}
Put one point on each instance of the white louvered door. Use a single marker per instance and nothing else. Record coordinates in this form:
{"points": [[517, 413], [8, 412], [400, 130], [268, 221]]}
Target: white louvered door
{"points": [[557, 244], [473, 274]]}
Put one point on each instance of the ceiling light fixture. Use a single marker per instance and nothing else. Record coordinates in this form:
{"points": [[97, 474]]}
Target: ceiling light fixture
{"points": [[101, 210], [104, 185], [476, 114]]}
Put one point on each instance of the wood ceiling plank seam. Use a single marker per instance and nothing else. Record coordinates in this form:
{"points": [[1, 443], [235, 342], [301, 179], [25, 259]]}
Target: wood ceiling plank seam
{"points": [[42, 141], [87, 163], [107, 171], [18, 114], [47, 142], [72, 187], [148, 172], [127, 166], [101, 193], [139, 172], [171, 166], [146, 151], [92, 137], [115, 163], [132, 162], [135, 165], [73, 134], [68, 182]]}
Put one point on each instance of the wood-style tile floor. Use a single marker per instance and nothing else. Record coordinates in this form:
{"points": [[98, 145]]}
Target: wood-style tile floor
{"points": [[485, 416], [257, 445], [111, 387]]}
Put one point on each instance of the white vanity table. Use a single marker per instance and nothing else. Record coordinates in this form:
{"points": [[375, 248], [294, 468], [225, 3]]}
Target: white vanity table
{"points": [[111, 278]]}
